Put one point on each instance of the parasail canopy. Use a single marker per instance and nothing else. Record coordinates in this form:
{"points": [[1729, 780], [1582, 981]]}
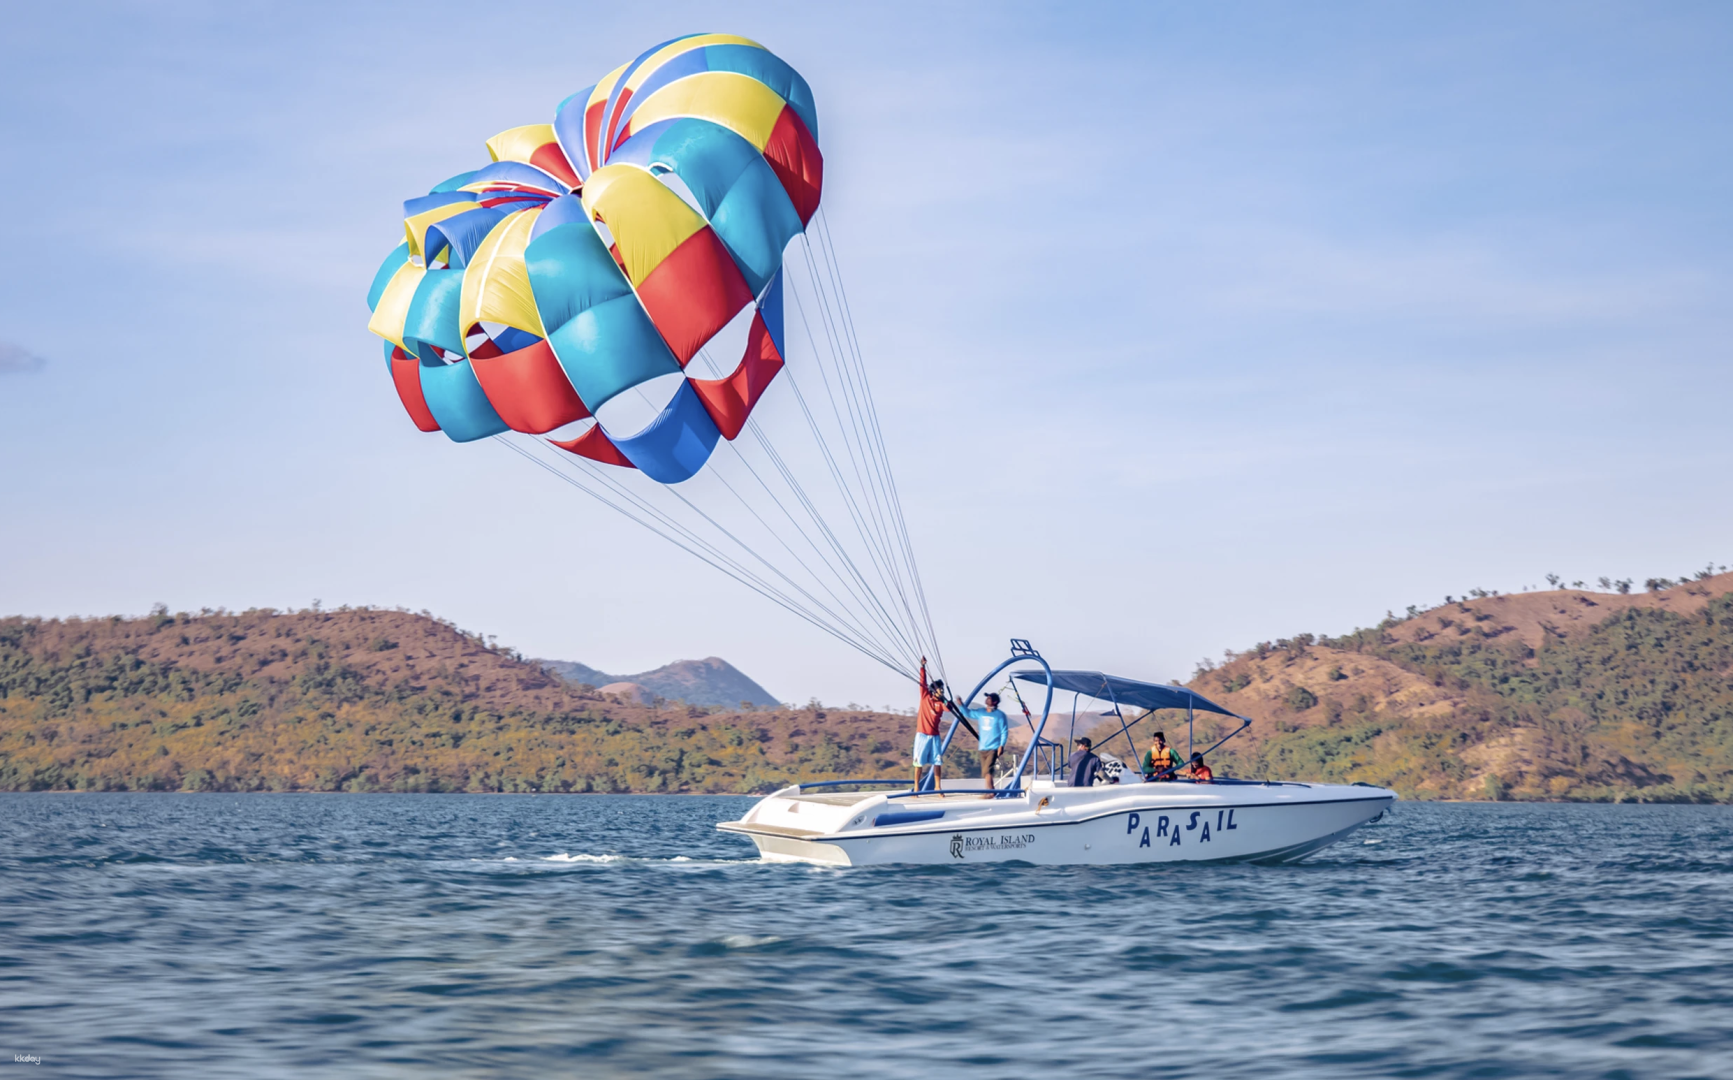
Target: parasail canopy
{"points": [[598, 254], [611, 284]]}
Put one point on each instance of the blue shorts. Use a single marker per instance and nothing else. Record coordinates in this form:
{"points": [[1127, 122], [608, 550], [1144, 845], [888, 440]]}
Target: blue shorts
{"points": [[927, 749]]}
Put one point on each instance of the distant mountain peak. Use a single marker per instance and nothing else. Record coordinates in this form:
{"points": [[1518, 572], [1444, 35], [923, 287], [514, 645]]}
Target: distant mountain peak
{"points": [[710, 681]]}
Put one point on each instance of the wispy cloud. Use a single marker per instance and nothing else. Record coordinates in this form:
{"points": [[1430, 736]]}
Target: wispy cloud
{"points": [[15, 357]]}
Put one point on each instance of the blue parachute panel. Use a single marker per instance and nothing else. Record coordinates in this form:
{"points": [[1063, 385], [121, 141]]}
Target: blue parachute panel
{"points": [[463, 233], [677, 444]]}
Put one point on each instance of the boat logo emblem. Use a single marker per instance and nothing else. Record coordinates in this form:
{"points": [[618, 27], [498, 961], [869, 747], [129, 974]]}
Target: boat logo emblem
{"points": [[956, 845]]}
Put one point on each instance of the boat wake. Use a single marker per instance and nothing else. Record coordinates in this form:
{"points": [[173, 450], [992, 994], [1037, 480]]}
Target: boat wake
{"points": [[584, 857]]}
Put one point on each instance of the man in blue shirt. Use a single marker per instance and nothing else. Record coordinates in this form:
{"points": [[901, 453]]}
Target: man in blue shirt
{"points": [[994, 731]]}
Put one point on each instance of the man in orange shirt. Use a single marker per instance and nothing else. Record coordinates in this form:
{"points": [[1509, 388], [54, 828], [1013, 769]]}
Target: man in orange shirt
{"points": [[1199, 772], [927, 739]]}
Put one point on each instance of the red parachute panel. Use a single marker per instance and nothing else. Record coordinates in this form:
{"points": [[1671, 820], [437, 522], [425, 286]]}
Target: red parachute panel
{"points": [[794, 157], [595, 445], [406, 376], [529, 389], [729, 401], [549, 158], [693, 293]]}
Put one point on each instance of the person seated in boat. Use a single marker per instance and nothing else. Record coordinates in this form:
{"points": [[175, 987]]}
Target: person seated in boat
{"points": [[928, 742], [1199, 772], [1159, 761], [1084, 764], [993, 731]]}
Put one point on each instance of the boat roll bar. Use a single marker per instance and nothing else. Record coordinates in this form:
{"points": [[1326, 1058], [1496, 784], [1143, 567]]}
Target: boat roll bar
{"points": [[1021, 650]]}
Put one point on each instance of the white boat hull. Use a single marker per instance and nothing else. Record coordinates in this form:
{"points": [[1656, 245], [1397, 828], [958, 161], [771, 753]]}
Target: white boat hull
{"points": [[1061, 826]]}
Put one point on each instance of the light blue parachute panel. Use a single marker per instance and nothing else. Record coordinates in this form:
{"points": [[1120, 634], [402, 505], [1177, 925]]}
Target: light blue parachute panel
{"points": [[453, 394], [599, 331], [455, 399], [453, 183], [387, 270], [432, 322], [677, 444], [735, 188]]}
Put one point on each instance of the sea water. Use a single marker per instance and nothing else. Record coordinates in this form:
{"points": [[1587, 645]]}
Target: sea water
{"points": [[598, 936]]}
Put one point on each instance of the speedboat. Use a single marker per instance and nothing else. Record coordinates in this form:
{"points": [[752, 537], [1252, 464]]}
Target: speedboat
{"points": [[1032, 815]]}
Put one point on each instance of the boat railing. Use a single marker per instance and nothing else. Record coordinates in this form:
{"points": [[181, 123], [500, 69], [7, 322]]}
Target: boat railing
{"points": [[847, 783]]}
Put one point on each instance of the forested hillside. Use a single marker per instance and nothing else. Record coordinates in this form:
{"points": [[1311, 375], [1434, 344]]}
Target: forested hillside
{"points": [[1564, 694], [369, 700]]}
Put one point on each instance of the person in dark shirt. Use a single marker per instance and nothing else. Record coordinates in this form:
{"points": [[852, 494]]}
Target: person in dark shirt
{"points": [[1083, 764]]}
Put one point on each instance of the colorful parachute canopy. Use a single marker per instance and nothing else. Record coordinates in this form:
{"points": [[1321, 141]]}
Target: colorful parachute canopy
{"points": [[602, 251]]}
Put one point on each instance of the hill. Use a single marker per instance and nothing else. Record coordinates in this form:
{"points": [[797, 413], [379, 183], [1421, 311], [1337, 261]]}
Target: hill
{"points": [[711, 681], [1563, 694], [371, 700]]}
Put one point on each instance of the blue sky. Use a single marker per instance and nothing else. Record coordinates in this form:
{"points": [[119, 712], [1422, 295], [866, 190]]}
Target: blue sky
{"points": [[1191, 325]]}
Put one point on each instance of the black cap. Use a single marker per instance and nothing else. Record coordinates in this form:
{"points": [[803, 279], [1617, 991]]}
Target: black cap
{"points": [[1084, 741]]}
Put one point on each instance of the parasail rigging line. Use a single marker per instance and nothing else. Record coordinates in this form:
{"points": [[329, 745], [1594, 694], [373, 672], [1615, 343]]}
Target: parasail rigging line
{"points": [[868, 435], [841, 628], [884, 550], [879, 557], [871, 523], [878, 441], [682, 538], [879, 617], [850, 626], [867, 615], [812, 511], [864, 595]]}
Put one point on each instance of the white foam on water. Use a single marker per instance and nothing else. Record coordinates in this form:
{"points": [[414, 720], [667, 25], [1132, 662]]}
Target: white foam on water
{"points": [[584, 857], [563, 857], [747, 941]]}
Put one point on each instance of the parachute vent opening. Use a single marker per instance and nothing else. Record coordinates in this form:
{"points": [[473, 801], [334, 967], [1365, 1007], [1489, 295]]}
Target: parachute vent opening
{"points": [[485, 340], [672, 182], [720, 355], [568, 432], [630, 411]]}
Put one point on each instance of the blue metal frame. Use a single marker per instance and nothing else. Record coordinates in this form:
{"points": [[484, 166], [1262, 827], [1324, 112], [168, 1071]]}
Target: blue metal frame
{"points": [[1021, 650]]}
